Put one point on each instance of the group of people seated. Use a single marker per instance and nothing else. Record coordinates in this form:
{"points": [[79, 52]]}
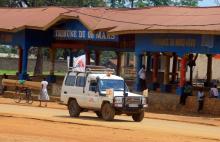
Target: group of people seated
{"points": [[214, 92], [188, 91]]}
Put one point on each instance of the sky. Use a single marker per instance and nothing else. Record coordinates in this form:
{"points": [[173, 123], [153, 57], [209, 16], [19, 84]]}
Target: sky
{"points": [[207, 3]]}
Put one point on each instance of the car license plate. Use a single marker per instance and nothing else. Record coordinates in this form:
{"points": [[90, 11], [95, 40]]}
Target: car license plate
{"points": [[133, 105]]}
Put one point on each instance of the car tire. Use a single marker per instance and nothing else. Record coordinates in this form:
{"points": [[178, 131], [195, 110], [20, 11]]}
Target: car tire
{"points": [[99, 114], [74, 109], [138, 117], [108, 112]]}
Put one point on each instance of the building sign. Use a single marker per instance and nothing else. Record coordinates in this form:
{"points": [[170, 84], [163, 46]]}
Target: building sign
{"points": [[174, 42], [5, 38], [83, 35]]}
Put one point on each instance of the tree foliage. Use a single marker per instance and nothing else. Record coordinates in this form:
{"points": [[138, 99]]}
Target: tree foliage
{"points": [[97, 3], [142, 3], [38, 3]]}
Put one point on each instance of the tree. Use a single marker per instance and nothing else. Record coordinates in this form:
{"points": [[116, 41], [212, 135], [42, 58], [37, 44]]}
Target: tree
{"points": [[142, 3], [217, 2], [38, 69]]}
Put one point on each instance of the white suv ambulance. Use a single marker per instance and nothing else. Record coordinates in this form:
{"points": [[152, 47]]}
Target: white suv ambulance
{"points": [[98, 90]]}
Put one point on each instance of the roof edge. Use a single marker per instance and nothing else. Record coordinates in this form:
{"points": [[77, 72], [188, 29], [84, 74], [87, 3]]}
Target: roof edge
{"points": [[203, 32]]}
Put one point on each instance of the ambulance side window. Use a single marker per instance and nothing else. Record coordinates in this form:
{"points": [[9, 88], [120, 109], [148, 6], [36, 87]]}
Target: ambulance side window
{"points": [[93, 86], [80, 81], [70, 80]]}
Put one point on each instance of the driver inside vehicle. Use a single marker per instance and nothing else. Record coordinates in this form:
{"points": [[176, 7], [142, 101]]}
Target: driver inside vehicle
{"points": [[93, 86]]}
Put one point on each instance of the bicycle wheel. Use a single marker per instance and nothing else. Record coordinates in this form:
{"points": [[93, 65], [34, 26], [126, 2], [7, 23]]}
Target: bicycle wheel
{"points": [[17, 97]]}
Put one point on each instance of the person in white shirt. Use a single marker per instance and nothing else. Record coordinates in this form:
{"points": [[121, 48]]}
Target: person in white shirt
{"points": [[142, 77], [200, 98], [214, 92], [44, 97]]}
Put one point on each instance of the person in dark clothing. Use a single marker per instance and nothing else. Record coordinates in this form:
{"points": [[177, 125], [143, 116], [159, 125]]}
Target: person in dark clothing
{"points": [[200, 98], [187, 91], [4, 88]]}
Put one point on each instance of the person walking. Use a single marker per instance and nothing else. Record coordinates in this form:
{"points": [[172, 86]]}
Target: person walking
{"points": [[44, 97], [200, 98], [142, 77]]}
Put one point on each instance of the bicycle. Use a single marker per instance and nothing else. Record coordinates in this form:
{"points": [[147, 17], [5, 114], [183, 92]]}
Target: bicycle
{"points": [[23, 93]]}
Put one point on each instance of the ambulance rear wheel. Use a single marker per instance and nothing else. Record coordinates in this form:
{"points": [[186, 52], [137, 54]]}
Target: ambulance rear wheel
{"points": [[74, 108]]}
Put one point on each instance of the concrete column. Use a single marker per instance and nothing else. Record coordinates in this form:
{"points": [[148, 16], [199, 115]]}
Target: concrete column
{"points": [[134, 60], [144, 59], [138, 67], [155, 67], [118, 63], [148, 62], [209, 69], [71, 58], [52, 60], [97, 57], [166, 70], [87, 52], [183, 71], [174, 68], [122, 72], [20, 54], [23, 74]]}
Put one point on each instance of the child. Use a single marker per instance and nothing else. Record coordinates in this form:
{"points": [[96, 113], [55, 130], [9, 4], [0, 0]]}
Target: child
{"points": [[43, 94], [200, 98]]}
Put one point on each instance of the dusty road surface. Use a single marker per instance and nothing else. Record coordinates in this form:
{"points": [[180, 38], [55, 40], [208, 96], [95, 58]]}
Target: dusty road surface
{"points": [[34, 124]]}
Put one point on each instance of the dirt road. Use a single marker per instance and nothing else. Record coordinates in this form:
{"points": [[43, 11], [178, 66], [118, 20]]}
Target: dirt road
{"points": [[24, 124]]}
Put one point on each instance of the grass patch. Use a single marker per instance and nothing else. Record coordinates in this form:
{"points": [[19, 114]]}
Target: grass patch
{"points": [[13, 72]]}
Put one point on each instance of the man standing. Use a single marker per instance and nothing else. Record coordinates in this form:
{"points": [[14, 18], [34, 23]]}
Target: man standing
{"points": [[142, 77], [44, 94]]}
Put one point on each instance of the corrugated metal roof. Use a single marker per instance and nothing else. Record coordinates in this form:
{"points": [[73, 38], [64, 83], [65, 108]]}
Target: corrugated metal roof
{"points": [[117, 21]]}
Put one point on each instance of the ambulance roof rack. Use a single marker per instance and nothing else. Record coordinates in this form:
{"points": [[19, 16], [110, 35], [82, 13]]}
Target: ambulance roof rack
{"points": [[99, 69]]}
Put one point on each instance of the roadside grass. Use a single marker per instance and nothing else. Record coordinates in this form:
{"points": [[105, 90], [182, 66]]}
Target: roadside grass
{"points": [[13, 72]]}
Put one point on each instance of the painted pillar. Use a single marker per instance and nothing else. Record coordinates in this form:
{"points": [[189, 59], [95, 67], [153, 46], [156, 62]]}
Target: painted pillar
{"points": [[97, 57], [138, 67], [183, 71], [23, 74], [134, 57], [148, 62], [122, 72], [20, 54], [166, 70], [174, 68], [209, 69], [52, 60], [71, 58], [118, 63], [127, 58], [155, 67], [87, 52]]}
